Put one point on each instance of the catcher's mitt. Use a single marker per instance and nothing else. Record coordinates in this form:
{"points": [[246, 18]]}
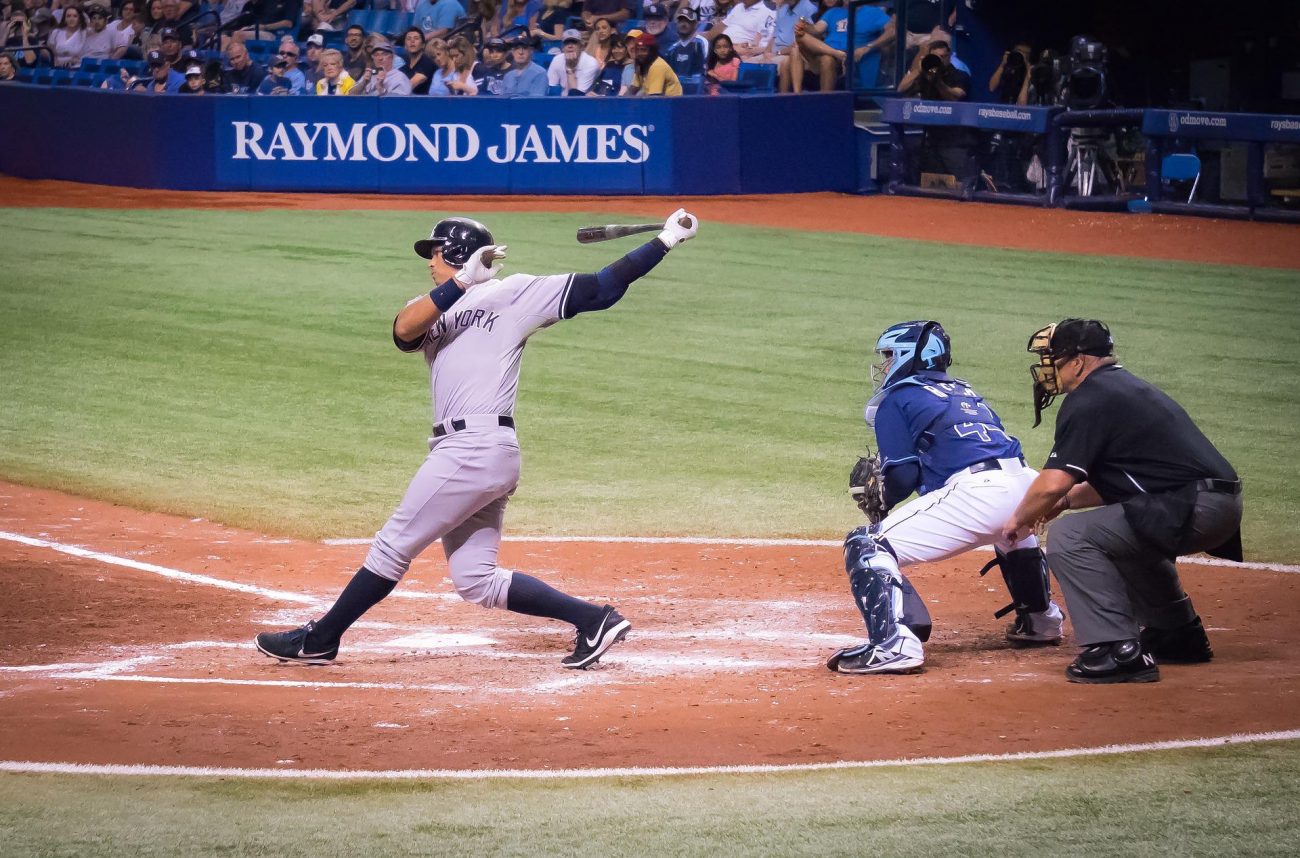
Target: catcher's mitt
{"points": [[866, 488]]}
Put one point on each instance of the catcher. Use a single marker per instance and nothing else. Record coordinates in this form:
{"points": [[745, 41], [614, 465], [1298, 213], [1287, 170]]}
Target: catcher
{"points": [[937, 438]]}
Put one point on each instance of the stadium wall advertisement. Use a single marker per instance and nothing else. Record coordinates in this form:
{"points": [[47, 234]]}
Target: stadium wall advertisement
{"points": [[690, 145]]}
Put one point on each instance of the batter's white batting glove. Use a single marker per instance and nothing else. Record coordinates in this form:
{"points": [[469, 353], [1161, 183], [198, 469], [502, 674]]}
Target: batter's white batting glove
{"points": [[479, 268], [680, 226]]}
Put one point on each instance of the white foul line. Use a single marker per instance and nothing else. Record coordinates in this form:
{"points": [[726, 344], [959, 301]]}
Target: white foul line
{"points": [[18, 766], [174, 574]]}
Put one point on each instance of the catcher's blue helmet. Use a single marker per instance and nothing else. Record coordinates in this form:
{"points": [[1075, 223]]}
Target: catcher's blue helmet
{"points": [[907, 348]]}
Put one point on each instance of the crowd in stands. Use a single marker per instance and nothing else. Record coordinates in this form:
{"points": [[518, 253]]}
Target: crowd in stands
{"points": [[446, 47]]}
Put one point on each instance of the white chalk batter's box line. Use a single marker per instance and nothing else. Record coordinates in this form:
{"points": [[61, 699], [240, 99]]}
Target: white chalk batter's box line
{"points": [[26, 767]]}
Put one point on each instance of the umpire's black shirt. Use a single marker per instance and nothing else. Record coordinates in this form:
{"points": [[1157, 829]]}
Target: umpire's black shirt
{"points": [[1126, 437]]}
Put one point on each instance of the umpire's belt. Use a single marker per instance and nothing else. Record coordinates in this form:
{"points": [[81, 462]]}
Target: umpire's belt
{"points": [[1226, 487], [472, 421]]}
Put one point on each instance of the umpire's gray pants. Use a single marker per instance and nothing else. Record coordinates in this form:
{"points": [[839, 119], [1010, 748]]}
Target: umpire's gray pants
{"points": [[1114, 582]]}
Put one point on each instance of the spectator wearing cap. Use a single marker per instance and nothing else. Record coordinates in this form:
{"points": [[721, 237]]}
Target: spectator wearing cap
{"points": [[419, 68], [334, 78], [653, 76], [573, 70], [687, 55], [358, 55], [750, 24], [600, 39], [326, 15], [310, 64], [656, 23], [169, 42], [491, 72], [550, 20], [241, 73], [67, 43], [277, 80], [526, 78], [614, 11], [162, 77], [436, 17], [381, 78], [102, 41], [194, 84]]}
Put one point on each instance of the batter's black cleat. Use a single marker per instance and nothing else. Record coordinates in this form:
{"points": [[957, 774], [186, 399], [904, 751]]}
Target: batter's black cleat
{"points": [[591, 644], [1121, 661], [290, 646], [1187, 644]]}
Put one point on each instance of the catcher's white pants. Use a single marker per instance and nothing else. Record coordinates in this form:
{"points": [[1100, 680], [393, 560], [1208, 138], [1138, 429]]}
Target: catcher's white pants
{"points": [[458, 495], [966, 512]]}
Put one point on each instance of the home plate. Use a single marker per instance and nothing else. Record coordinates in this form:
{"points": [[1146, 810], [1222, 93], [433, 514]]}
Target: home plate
{"points": [[439, 640]]}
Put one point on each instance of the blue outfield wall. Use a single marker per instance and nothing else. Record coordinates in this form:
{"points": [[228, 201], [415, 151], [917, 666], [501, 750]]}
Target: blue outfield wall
{"points": [[690, 145]]}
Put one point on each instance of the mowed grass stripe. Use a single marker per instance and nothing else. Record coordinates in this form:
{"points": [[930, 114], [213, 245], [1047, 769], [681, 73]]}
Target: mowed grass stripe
{"points": [[237, 366]]}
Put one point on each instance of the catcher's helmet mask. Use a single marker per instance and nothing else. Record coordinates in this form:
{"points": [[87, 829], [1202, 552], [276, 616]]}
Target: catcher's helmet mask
{"points": [[1059, 343], [906, 349], [457, 238]]}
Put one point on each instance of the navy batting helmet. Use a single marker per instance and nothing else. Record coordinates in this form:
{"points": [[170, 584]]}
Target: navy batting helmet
{"points": [[457, 238]]}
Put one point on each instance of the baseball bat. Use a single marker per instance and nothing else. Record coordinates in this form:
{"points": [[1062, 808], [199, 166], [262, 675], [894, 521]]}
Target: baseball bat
{"points": [[592, 234]]}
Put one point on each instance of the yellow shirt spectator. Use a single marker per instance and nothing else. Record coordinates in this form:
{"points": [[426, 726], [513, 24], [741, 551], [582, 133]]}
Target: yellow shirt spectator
{"points": [[660, 79], [331, 67]]}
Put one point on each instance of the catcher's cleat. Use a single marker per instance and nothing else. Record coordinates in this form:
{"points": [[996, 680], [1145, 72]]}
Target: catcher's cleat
{"points": [[1120, 661], [591, 645], [904, 654], [1187, 644], [1043, 628], [290, 646]]}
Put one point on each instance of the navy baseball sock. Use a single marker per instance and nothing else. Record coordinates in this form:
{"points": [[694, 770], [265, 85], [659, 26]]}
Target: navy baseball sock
{"points": [[363, 592], [538, 599]]}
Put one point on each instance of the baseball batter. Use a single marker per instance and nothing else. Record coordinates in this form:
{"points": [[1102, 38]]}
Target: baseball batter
{"points": [[472, 328], [937, 437]]}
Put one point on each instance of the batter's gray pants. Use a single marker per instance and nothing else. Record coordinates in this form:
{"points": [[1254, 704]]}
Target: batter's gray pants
{"points": [[1114, 582]]}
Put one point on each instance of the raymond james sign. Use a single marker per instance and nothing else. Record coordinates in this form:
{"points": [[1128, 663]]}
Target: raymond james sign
{"points": [[439, 142]]}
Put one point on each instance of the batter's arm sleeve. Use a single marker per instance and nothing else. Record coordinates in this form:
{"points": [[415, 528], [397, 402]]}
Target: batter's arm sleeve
{"points": [[603, 289]]}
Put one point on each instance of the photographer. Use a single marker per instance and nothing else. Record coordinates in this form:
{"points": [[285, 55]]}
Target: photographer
{"points": [[382, 78], [933, 77], [1010, 81]]}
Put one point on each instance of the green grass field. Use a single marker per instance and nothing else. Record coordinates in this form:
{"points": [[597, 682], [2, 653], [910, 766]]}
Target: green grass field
{"points": [[238, 366], [1237, 800]]}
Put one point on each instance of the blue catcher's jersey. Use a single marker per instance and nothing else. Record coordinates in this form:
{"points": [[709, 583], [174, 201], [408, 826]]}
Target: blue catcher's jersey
{"points": [[942, 423]]}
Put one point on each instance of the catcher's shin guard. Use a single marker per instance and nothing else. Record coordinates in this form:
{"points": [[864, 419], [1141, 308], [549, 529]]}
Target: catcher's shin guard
{"points": [[883, 594], [1025, 571]]}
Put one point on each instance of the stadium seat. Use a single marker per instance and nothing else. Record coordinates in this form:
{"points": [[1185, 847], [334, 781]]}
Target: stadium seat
{"points": [[61, 77], [133, 67], [83, 79], [44, 77], [364, 18], [91, 64], [1182, 167], [760, 76], [26, 75]]}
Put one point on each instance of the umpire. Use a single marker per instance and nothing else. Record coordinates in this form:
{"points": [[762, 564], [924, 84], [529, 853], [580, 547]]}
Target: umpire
{"points": [[1160, 489]]}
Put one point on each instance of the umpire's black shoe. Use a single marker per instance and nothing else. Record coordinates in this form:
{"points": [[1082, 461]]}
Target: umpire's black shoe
{"points": [[1188, 644], [592, 643], [1121, 661], [291, 646]]}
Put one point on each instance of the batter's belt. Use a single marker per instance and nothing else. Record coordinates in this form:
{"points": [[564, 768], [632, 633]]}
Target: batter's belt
{"points": [[478, 421]]}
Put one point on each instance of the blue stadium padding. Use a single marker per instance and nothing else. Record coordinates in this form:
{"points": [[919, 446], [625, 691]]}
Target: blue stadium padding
{"points": [[443, 146]]}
